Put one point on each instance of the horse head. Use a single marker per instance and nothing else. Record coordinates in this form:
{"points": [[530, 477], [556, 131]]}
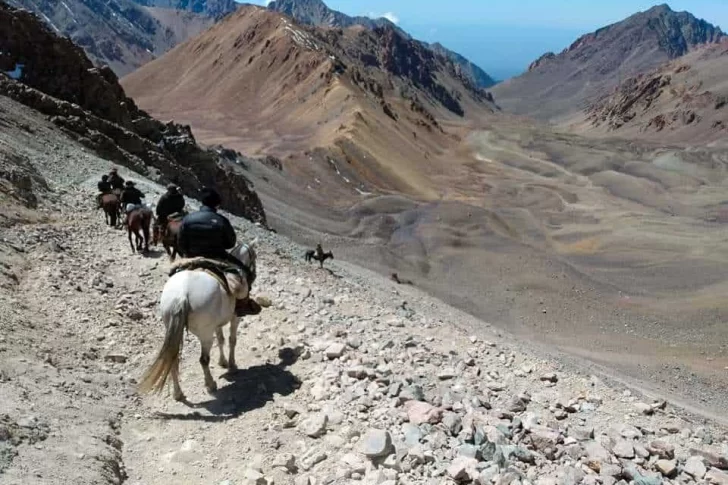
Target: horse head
{"points": [[245, 253]]}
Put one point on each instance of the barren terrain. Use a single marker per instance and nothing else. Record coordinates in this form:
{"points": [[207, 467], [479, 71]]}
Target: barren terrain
{"points": [[608, 249], [344, 378]]}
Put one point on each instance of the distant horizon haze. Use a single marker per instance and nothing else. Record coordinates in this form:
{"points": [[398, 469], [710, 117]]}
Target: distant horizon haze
{"points": [[504, 38]]}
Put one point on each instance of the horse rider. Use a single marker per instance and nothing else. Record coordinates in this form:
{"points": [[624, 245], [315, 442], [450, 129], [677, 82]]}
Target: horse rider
{"points": [[319, 252], [104, 188], [131, 197], [116, 181], [208, 234], [170, 203]]}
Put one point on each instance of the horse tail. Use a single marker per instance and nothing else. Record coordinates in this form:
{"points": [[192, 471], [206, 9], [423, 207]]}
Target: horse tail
{"points": [[175, 320]]}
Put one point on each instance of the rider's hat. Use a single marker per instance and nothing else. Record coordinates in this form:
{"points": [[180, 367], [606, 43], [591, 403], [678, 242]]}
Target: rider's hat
{"points": [[210, 197], [171, 187], [114, 170], [129, 183]]}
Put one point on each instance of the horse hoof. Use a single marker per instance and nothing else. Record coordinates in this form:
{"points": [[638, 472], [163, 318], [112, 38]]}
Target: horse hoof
{"points": [[212, 389], [223, 364], [179, 397]]}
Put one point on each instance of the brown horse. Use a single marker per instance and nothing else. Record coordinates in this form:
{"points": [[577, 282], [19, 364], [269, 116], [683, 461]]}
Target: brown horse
{"points": [[112, 208], [138, 222], [168, 236]]}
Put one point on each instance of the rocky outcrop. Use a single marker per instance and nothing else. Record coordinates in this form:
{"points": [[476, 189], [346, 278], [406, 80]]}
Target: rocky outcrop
{"points": [[55, 77], [117, 33]]}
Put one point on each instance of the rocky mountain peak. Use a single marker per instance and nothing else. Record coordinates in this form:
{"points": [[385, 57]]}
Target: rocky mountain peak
{"points": [[318, 14]]}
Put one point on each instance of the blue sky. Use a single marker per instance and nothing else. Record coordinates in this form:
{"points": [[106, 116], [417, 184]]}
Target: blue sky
{"points": [[503, 37]]}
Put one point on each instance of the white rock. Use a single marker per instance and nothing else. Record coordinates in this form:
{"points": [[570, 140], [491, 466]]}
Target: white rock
{"points": [[695, 467], [335, 350]]}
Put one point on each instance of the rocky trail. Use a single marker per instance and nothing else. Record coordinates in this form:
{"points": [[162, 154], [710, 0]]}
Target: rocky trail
{"points": [[344, 378]]}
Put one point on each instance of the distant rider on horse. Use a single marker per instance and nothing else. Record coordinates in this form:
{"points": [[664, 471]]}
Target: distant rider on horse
{"points": [[104, 188], [116, 181], [208, 234], [131, 197], [170, 203]]}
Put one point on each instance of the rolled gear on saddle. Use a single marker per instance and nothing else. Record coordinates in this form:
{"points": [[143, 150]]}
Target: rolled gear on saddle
{"points": [[207, 234]]}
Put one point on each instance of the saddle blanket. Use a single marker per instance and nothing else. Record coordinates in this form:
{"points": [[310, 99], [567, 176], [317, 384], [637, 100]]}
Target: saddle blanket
{"points": [[225, 273], [133, 207]]}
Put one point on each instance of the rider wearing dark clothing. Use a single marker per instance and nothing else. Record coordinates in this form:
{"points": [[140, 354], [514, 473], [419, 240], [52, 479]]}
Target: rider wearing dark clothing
{"points": [[116, 181], [104, 185], [131, 195], [206, 233], [104, 188], [169, 203]]}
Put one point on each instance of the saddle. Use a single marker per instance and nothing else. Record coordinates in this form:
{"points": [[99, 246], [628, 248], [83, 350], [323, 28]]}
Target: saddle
{"points": [[226, 274]]}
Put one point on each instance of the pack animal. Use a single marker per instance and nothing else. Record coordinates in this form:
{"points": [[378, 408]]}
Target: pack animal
{"points": [[112, 209], [138, 223], [167, 235], [313, 255], [198, 301]]}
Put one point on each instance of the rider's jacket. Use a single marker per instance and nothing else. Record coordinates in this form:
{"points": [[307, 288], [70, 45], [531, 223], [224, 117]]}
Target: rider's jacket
{"points": [[169, 204], [131, 195], [116, 181], [104, 187], [205, 233]]}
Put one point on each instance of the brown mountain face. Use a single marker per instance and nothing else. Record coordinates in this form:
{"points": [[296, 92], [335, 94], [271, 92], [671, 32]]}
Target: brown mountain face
{"points": [[53, 76], [316, 13], [117, 33], [370, 103], [685, 100], [557, 86]]}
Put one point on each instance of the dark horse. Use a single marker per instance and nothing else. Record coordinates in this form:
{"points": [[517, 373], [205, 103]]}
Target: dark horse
{"points": [[312, 255], [112, 208], [168, 236], [138, 222]]}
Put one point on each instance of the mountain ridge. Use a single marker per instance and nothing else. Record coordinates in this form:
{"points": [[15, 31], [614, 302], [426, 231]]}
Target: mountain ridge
{"points": [[556, 86], [317, 13], [369, 102], [119, 33]]}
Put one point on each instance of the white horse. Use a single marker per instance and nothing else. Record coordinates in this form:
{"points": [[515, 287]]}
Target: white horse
{"points": [[197, 301]]}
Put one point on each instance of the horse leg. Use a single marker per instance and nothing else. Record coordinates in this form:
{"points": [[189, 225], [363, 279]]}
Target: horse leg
{"points": [[232, 341], [128, 232], [178, 394], [210, 383], [146, 237], [222, 361]]}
